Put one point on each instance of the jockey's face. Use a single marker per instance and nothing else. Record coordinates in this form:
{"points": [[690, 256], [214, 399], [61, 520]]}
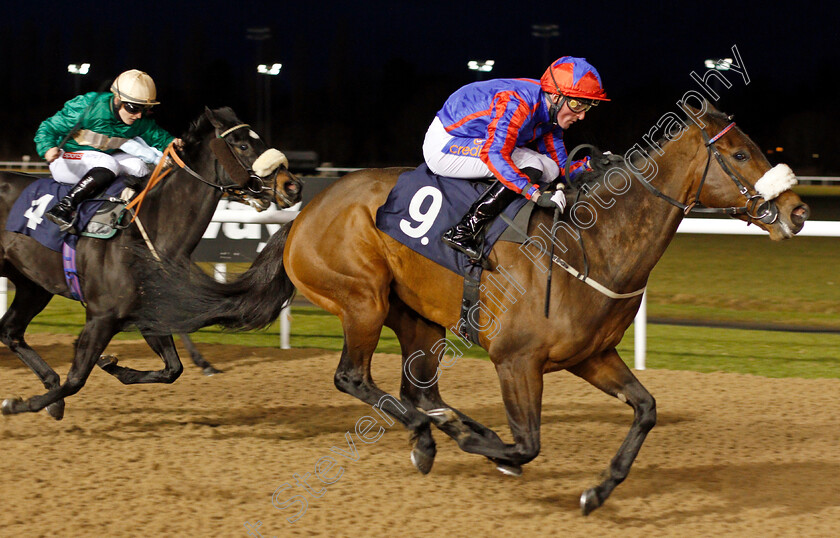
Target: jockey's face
{"points": [[566, 116], [127, 117]]}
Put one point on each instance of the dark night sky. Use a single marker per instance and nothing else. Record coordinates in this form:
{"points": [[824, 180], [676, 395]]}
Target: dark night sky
{"points": [[362, 80]]}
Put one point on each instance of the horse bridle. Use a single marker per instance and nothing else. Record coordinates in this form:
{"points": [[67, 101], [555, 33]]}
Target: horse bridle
{"points": [[766, 212], [234, 189], [769, 212]]}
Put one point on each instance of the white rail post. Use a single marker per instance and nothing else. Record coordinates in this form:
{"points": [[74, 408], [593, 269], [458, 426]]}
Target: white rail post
{"points": [[285, 328], [220, 272], [640, 334], [4, 295]]}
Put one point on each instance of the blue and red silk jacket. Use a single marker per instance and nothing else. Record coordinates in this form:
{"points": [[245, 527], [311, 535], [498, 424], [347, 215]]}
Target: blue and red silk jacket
{"points": [[508, 113]]}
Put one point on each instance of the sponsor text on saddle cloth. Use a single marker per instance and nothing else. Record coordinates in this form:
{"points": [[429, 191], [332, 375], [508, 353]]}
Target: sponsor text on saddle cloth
{"points": [[27, 214], [422, 206]]}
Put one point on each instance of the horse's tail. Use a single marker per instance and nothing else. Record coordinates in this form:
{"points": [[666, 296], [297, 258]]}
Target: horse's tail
{"points": [[182, 299]]}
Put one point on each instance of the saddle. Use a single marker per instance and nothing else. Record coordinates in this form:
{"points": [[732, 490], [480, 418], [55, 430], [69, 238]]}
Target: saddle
{"points": [[101, 217], [110, 217], [422, 206]]}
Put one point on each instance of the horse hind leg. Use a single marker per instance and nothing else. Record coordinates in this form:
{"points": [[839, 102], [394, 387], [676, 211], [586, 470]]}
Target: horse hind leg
{"points": [[521, 384], [361, 334], [609, 373], [164, 346], [30, 299], [196, 356], [418, 387], [423, 344]]}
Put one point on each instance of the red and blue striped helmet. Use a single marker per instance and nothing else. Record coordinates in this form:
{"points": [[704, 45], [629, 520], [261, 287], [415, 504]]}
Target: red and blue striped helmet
{"points": [[573, 77]]}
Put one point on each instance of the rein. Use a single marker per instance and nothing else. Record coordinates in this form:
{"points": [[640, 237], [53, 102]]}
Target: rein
{"points": [[164, 168], [765, 212], [583, 277], [160, 172]]}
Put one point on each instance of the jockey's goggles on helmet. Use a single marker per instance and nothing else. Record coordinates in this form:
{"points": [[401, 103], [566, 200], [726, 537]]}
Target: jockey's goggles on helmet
{"points": [[578, 105], [132, 108]]}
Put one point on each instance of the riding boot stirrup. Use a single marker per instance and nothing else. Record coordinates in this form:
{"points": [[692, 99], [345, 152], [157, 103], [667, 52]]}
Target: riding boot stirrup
{"points": [[64, 212]]}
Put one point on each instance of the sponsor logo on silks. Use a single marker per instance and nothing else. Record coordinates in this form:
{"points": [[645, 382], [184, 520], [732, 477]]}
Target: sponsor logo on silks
{"points": [[73, 156], [468, 150]]}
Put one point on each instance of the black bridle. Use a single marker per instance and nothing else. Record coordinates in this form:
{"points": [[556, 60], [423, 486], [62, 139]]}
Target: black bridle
{"points": [[259, 182], [233, 189], [766, 211]]}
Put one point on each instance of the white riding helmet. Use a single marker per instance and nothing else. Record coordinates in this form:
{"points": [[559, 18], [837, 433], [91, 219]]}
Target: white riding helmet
{"points": [[136, 87]]}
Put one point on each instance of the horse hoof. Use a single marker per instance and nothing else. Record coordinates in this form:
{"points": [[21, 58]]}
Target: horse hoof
{"points": [[421, 461], [510, 470], [107, 361], [210, 370], [56, 410], [589, 501], [7, 407]]}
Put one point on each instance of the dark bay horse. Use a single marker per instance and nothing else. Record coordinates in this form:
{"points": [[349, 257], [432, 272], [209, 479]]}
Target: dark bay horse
{"points": [[221, 155], [336, 257]]}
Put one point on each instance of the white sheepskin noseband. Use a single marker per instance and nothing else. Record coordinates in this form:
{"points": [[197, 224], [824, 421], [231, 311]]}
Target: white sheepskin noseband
{"points": [[270, 160], [775, 181]]}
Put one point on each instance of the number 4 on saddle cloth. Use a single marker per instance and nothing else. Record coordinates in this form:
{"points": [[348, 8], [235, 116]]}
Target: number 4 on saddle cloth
{"points": [[98, 217], [422, 206]]}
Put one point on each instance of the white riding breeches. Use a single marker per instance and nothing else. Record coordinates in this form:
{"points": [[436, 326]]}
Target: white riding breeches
{"points": [[70, 167], [458, 157]]}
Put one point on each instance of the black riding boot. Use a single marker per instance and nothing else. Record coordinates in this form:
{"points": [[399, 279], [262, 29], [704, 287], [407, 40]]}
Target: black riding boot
{"points": [[465, 235], [64, 213]]}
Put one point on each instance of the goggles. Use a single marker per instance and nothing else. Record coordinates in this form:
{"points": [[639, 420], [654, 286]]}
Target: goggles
{"points": [[578, 105], [132, 108]]}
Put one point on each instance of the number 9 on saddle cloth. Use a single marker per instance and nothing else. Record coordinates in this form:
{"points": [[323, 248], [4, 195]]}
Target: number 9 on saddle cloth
{"points": [[422, 206]]}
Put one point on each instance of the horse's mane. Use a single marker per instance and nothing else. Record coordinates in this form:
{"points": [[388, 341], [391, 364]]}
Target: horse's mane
{"points": [[602, 163], [200, 127], [193, 138]]}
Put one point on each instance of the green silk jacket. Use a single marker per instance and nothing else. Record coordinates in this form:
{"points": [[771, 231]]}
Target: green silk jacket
{"points": [[95, 112]]}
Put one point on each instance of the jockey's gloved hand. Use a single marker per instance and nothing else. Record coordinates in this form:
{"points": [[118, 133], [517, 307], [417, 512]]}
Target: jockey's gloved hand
{"points": [[556, 199]]}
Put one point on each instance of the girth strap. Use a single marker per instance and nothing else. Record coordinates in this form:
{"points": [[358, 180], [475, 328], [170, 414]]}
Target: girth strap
{"points": [[472, 286], [71, 275]]}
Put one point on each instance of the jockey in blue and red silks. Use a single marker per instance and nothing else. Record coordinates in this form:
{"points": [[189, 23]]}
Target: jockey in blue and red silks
{"points": [[483, 130]]}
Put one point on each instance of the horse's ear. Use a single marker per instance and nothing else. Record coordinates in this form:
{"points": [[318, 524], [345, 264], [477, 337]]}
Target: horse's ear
{"points": [[212, 117]]}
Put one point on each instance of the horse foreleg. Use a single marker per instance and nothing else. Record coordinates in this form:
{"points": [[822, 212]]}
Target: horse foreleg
{"points": [[196, 356], [91, 343], [164, 346], [30, 299], [609, 373]]}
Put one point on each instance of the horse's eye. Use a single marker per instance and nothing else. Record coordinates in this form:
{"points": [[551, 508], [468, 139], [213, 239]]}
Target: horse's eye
{"points": [[741, 156], [243, 146]]}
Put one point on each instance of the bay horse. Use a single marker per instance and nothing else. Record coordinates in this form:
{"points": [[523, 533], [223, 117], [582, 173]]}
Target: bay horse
{"points": [[218, 158], [336, 257]]}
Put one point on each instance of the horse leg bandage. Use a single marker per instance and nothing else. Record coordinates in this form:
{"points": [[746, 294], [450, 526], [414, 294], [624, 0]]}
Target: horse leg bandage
{"points": [[228, 161], [775, 181]]}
